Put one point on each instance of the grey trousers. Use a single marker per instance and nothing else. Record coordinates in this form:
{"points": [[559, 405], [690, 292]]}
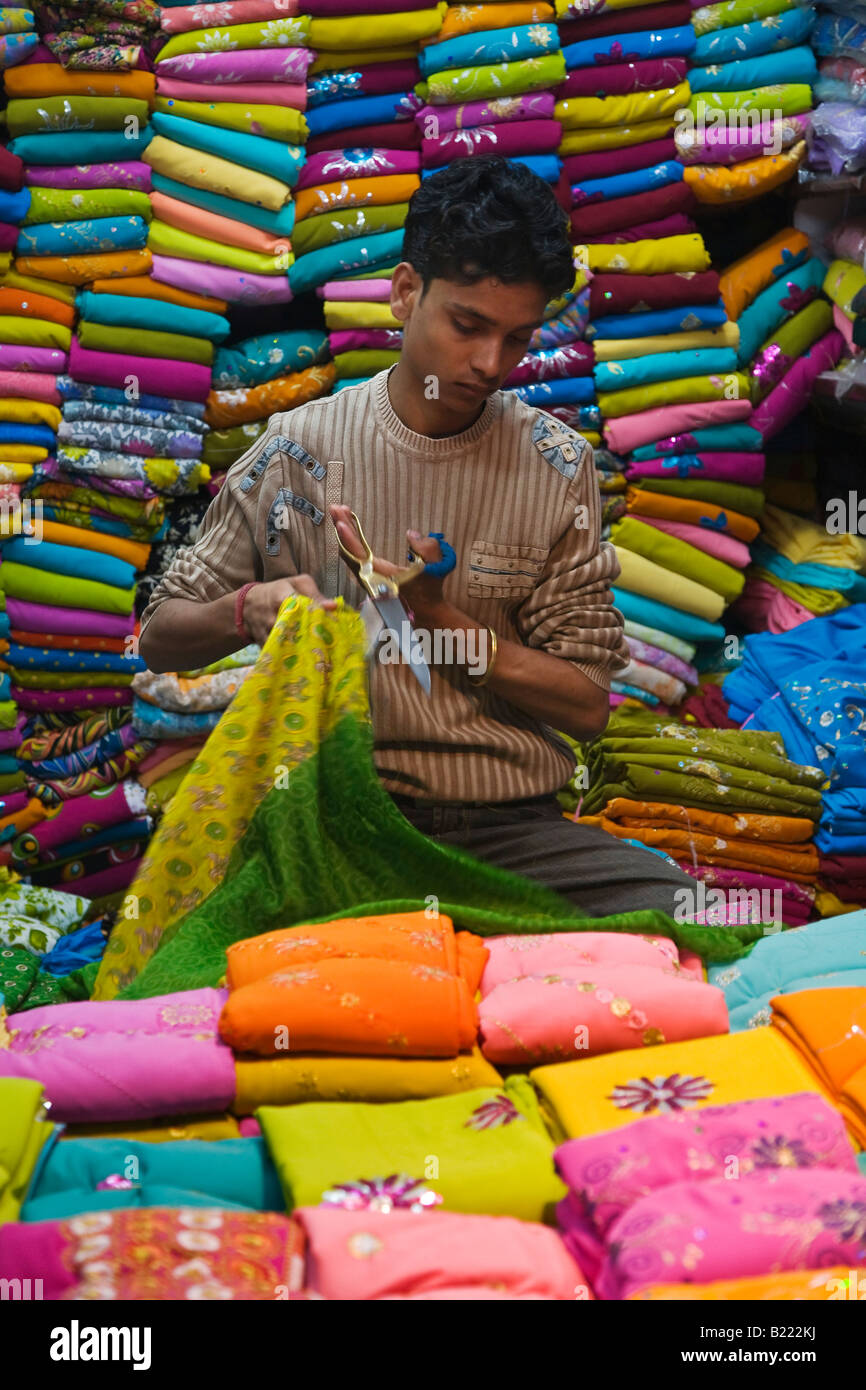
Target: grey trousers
{"points": [[596, 872]]}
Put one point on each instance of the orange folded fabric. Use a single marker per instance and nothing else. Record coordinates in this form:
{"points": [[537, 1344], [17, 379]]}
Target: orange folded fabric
{"points": [[211, 224], [77, 270], [352, 193], [742, 825], [791, 1285], [143, 287], [799, 862], [68, 641], [689, 512], [133, 552], [468, 19], [851, 1104], [411, 937], [225, 408], [745, 279], [828, 1029], [53, 80], [36, 306], [361, 1006]]}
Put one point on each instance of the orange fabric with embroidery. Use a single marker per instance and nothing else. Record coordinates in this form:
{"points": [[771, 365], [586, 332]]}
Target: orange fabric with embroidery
{"points": [[226, 408]]}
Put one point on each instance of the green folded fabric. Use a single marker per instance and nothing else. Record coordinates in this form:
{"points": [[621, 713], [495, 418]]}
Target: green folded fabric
{"points": [[34, 332], [326, 228], [732, 386], [495, 80], [68, 680], [8, 708], [484, 1151], [164, 240], [674, 554], [765, 756], [79, 204], [786, 99], [223, 447], [364, 362], [790, 340], [273, 33], [282, 123], [41, 586], [748, 501], [22, 1136], [145, 342], [732, 12], [12, 781], [48, 115]]}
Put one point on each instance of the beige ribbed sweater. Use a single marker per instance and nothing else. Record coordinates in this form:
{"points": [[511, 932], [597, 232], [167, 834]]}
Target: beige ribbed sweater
{"points": [[506, 493]]}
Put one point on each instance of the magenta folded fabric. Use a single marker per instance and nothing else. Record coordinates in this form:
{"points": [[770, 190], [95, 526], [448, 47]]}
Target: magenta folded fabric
{"points": [[84, 815], [352, 341], [530, 106], [131, 174], [13, 802], [791, 395], [10, 738], [105, 1061], [603, 163], [608, 1173], [240, 64], [766, 1222], [763, 608], [11, 170], [24, 358], [331, 8], [508, 138], [256, 93], [716, 543], [34, 386], [34, 1251], [111, 880], [156, 376], [747, 469], [631, 431], [368, 291], [80, 622], [332, 165], [618, 79], [573, 359], [678, 224], [730, 145], [221, 282], [797, 898], [8, 235], [65, 701]]}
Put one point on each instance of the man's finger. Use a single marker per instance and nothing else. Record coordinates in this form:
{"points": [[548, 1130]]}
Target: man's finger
{"points": [[425, 546]]}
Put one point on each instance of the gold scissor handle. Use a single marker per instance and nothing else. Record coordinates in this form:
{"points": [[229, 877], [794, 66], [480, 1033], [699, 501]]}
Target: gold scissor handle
{"points": [[378, 585]]}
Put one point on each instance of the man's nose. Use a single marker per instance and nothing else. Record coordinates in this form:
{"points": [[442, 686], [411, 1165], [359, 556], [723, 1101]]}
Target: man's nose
{"points": [[487, 359]]}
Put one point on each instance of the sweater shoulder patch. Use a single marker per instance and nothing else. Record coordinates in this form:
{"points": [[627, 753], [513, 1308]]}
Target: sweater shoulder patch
{"points": [[561, 447], [281, 445]]}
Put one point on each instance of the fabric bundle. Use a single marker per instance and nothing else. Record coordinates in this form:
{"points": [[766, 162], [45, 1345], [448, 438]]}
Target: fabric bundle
{"points": [[826, 1028], [837, 153]]}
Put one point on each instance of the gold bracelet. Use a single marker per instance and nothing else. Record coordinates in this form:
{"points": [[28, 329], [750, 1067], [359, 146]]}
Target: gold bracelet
{"points": [[485, 677]]}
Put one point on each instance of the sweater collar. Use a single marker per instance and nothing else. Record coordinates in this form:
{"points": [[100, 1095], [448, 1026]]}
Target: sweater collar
{"points": [[409, 442]]}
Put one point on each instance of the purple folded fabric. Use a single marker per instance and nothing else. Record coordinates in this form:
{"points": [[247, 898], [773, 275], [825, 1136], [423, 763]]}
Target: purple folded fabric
{"points": [[331, 165], [288, 65], [25, 616], [530, 106], [13, 802], [631, 431], [605, 163], [10, 738], [8, 235], [22, 357], [747, 469], [219, 281], [792, 393], [574, 359], [131, 174], [678, 224], [508, 138], [156, 376], [85, 815], [111, 880], [354, 340], [619, 79], [66, 700]]}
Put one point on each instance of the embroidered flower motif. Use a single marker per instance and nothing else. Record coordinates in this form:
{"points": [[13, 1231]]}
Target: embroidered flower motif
{"points": [[395, 1193], [500, 1111], [216, 42], [665, 1094], [280, 32], [115, 1182], [781, 1153], [363, 1244], [540, 35], [847, 1218], [178, 1015]]}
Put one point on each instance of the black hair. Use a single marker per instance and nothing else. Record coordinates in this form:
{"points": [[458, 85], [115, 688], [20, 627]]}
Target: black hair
{"points": [[488, 216]]}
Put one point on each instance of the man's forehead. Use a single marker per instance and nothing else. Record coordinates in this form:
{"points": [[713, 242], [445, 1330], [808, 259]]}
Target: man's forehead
{"points": [[493, 301]]}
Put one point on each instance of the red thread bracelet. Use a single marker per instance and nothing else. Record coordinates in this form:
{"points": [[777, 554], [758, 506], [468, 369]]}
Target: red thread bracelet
{"points": [[240, 599]]}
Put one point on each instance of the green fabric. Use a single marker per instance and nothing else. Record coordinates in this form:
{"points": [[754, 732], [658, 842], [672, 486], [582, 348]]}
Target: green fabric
{"points": [[275, 33], [282, 123], [164, 240], [69, 680], [12, 781], [47, 115], [505, 1169], [735, 497], [731, 12], [8, 708], [77, 505], [25, 986], [61, 910], [222, 448], [79, 204], [684, 390], [364, 362], [22, 1135], [791, 339], [41, 586], [145, 342], [787, 99], [679, 556], [326, 228], [494, 80], [18, 330]]}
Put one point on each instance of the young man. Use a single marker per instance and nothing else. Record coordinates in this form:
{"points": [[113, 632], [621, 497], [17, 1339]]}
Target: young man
{"points": [[433, 445]]}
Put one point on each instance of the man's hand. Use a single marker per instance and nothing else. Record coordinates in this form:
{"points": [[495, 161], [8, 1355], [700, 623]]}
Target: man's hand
{"points": [[424, 594], [263, 603]]}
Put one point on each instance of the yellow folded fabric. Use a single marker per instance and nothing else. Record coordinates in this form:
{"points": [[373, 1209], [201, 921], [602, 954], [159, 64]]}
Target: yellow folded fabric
{"points": [[18, 330], [16, 454], [803, 541], [354, 31], [156, 1132], [65, 293], [336, 60], [619, 349], [15, 472], [641, 576], [661, 256], [350, 313], [598, 1093], [587, 140], [580, 113], [25, 412], [291, 1080], [844, 279], [215, 175]]}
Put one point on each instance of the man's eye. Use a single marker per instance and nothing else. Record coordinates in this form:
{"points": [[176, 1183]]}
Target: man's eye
{"points": [[462, 327], [522, 343]]}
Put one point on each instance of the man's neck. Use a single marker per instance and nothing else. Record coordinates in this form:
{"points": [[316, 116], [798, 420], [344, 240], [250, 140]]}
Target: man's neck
{"points": [[423, 416]]}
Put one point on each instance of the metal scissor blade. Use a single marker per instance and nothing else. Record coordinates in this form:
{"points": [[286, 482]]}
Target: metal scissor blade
{"points": [[396, 620]]}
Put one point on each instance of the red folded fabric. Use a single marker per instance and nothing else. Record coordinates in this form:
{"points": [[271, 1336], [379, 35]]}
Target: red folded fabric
{"points": [[669, 15], [393, 135], [11, 170], [603, 163], [614, 214], [620, 294], [647, 75], [676, 225]]}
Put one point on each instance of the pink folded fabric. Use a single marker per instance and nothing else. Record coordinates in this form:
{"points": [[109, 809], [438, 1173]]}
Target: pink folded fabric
{"points": [[114, 879], [130, 174], [584, 1011], [331, 165], [630, 431], [23, 358], [361, 291], [34, 386], [85, 815], [763, 608], [220, 282], [507, 138], [180, 19], [102, 1061], [43, 617], [607, 1173], [716, 543], [34, 1251], [797, 900], [747, 469], [571, 360], [156, 376], [246, 64], [514, 957], [791, 395], [213, 225], [371, 1254], [348, 341], [529, 106], [255, 93], [765, 1223]]}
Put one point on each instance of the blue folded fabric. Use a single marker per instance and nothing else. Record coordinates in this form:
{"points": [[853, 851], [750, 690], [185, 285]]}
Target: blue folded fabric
{"points": [[61, 659], [14, 207], [634, 691], [152, 722], [648, 611], [70, 560], [577, 389], [6, 694], [625, 185], [345, 258], [735, 438], [277, 223], [836, 34], [794, 65], [360, 111], [663, 366], [630, 48], [749, 40], [40, 435], [488, 46], [9, 764], [272, 157], [257, 360], [834, 577], [75, 949], [81, 146], [4, 624], [128, 310], [686, 319], [81, 238], [776, 303], [771, 657], [72, 390]]}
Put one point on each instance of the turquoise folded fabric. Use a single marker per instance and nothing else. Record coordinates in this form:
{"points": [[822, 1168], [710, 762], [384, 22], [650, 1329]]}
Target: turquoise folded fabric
{"points": [[773, 305], [81, 238], [272, 157], [663, 366], [257, 360], [637, 609], [81, 147], [792, 65], [345, 258], [277, 223], [152, 722], [735, 438], [489, 46], [813, 576], [749, 40], [68, 559], [125, 311]]}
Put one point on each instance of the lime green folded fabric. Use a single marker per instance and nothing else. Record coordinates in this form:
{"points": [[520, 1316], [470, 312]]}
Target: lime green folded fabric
{"points": [[145, 342], [732, 12], [791, 340], [735, 496], [8, 708], [327, 227], [22, 1136], [787, 99], [484, 1151], [34, 332], [78, 204], [68, 680], [359, 31], [164, 240], [275, 122], [844, 279], [679, 556], [580, 113], [47, 115], [364, 362], [732, 386], [65, 591], [291, 32], [496, 80]]}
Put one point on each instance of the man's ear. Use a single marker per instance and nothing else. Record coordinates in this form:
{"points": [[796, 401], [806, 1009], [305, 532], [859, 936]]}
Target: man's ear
{"points": [[406, 290]]}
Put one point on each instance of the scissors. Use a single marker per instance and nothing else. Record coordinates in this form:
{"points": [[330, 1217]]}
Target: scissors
{"points": [[383, 593]]}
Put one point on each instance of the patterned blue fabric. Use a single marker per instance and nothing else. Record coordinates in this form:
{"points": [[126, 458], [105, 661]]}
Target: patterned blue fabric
{"points": [[686, 319], [76, 238], [749, 40], [663, 366], [625, 185], [488, 46]]}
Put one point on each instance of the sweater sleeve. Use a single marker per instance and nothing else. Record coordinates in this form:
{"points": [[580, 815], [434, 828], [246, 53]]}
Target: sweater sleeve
{"points": [[570, 613]]}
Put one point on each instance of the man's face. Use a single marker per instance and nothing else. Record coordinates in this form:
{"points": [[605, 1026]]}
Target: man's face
{"points": [[466, 337]]}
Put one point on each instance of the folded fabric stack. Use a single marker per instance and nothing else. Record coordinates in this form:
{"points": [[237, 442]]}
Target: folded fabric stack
{"points": [[18, 36], [112, 35], [808, 686], [361, 328], [558, 348], [228, 145], [258, 377], [655, 1205], [751, 75], [362, 153], [837, 153], [826, 1028], [799, 570]]}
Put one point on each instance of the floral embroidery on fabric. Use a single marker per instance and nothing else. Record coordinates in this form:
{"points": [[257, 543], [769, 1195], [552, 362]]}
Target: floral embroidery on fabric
{"points": [[500, 1111], [663, 1094], [846, 1218], [781, 1152], [395, 1193]]}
